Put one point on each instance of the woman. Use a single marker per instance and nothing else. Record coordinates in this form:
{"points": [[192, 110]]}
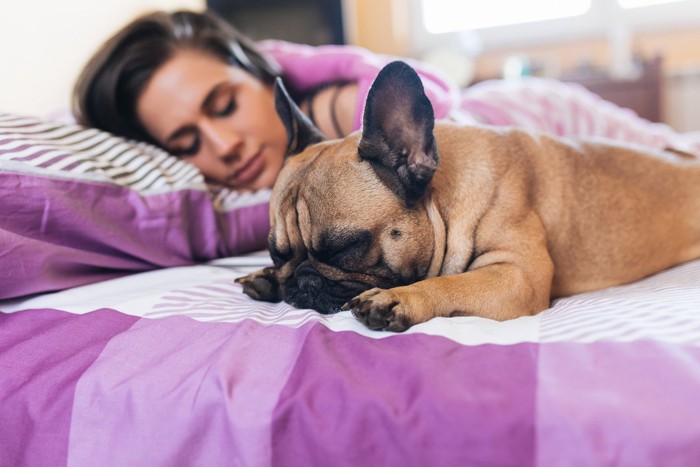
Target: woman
{"points": [[192, 84]]}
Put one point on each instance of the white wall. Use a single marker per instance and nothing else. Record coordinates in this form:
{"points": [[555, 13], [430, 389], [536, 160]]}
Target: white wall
{"points": [[45, 43], [681, 94]]}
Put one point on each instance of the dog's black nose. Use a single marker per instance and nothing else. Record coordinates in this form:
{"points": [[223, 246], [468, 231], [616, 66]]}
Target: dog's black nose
{"points": [[310, 282], [308, 278]]}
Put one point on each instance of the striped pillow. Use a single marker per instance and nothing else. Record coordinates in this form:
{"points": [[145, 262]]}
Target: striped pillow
{"points": [[80, 205]]}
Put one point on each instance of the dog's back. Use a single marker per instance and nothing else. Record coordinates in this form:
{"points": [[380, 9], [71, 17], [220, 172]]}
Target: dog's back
{"points": [[613, 213]]}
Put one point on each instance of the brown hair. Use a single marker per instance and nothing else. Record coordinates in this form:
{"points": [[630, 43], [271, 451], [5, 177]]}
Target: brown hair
{"points": [[107, 90]]}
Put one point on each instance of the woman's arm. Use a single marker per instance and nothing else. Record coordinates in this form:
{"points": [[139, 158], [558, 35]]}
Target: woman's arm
{"points": [[332, 109]]}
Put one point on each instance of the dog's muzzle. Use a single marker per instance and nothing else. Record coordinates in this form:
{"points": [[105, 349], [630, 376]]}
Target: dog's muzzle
{"points": [[308, 288]]}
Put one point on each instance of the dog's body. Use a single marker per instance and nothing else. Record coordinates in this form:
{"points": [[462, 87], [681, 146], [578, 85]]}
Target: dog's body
{"points": [[506, 220]]}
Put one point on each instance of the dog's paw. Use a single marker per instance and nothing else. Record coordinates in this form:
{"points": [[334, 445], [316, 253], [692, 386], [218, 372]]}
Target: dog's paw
{"points": [[380, 309], [261, 285]]}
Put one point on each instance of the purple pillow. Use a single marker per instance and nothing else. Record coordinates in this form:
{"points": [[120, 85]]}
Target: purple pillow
{"points": [[80, 205]]}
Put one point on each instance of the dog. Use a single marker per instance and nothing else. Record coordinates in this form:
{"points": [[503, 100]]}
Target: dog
{"points": [[409, 219]]}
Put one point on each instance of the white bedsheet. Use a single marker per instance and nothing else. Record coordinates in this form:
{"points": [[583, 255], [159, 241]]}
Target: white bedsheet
{"points": [[663, 307]]}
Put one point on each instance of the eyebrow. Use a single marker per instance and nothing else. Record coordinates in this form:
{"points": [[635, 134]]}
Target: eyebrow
{"points": [[205, 104]]}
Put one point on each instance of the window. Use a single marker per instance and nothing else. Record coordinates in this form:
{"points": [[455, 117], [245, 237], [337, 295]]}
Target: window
{"points": [[640, 3], [453, 15]]}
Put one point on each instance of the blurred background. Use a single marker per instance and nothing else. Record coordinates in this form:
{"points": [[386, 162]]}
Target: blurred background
{"points": [[642, 54]]}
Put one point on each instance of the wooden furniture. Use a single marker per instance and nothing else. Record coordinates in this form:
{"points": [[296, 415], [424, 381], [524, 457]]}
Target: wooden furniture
{"points": [[641, 94]]}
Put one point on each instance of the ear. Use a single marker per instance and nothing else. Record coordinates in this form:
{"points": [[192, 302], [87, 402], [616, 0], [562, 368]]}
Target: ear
{"points": [[397, 131], [301, 132]]}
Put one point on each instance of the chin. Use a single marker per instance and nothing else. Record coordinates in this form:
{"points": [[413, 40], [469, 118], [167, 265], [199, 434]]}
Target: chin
{"points": [[264, 182]]}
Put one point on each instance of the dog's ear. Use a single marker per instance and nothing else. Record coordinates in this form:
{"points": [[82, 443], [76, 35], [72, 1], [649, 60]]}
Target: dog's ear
{"points": [[397, 131], [301, 132]]}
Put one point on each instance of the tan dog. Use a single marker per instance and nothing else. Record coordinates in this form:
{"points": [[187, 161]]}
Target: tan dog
{"points": [[504, 222]]}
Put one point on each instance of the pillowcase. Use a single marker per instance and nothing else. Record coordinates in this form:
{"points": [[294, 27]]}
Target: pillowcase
{"points": [[80, 205]]}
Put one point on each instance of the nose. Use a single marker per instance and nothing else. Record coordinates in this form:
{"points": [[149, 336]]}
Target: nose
{"points": [[222, 139], [308, 278]]}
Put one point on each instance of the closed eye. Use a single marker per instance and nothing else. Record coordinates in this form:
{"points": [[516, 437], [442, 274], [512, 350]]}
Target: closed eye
{"points": [[343, 249], [221, 100], [188, 143], [224, 109], [279, 257]]}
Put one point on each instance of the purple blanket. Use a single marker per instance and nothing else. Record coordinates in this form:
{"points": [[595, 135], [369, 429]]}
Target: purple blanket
{"points": [[106, 388]]}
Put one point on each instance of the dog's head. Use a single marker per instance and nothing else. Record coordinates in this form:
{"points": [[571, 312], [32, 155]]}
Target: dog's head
{"points": [[348, 215]]}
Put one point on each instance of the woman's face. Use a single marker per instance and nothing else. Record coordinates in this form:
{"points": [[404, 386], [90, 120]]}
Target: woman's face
{"points": [[218, 117]]}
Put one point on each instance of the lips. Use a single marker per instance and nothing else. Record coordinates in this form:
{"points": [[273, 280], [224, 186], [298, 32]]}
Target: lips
{"points": [[250, 171]]}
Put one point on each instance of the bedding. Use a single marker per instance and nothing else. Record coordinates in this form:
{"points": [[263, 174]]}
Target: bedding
{"points": [[177, 367], [81, 205]]}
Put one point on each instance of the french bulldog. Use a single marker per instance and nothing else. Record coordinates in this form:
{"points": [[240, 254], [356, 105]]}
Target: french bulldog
{"points": [[409, 219]]}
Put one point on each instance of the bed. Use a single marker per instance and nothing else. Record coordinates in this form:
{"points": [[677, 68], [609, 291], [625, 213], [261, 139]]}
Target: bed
{"points": [[124, 340]]}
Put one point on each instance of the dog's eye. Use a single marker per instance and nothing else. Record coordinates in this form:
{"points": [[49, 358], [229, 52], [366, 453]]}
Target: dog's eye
{"points": [[343, 249], [279, 257]]}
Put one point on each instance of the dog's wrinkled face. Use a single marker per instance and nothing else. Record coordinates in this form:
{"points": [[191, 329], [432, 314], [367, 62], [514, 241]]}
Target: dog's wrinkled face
{"points": [[338, 231], [348, 215]]}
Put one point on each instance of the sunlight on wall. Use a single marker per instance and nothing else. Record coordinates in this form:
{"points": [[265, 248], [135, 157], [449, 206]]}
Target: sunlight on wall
{"points": [[46, 42], [643, 3], [448, 15]]}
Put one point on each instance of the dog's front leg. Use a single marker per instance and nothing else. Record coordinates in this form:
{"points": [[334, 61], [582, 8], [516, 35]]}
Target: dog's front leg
{"points": [[499, 291], [262, 285], [512, 278]]}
